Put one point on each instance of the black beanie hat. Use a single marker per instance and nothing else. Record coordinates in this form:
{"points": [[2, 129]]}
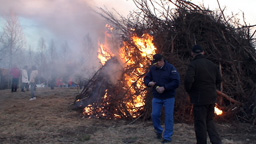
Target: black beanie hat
{"points": [[157, 57], [197, 49]]}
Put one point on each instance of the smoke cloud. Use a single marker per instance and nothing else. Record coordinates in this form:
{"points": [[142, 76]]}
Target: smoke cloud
{"points": [[63, 18], [72, 27]]}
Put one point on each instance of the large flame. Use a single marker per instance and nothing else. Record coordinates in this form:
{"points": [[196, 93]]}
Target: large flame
{"points": [[136, 56], [134, 79], [104, 51]]}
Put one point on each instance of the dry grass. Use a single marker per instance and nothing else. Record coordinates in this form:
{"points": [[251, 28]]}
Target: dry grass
{"points": [[49, 119]]}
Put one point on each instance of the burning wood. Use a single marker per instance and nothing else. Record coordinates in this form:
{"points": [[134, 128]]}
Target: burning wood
{"points": [[94, 91], [124, 98]]}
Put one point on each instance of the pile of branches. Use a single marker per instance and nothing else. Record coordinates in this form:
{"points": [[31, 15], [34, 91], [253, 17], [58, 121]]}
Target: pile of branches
{"points": [[226, 42], [107, 93]]}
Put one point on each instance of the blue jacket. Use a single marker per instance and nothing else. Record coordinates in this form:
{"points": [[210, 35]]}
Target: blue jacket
{"points": [[166, 76]]}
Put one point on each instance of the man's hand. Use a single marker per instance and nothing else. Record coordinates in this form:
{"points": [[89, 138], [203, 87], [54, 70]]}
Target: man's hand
{"points": [[160, 89], [151, 84]]}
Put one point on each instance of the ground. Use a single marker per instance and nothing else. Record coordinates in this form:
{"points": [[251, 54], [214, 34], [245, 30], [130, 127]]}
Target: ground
{"points": [[49, 119]]}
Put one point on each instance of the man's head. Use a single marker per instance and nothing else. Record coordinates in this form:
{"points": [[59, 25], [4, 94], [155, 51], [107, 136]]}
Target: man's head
{"points": [[197, 49], [158, 60]]}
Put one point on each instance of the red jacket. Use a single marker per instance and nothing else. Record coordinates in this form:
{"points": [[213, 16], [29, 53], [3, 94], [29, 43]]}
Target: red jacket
{"points": [[15, 72]]}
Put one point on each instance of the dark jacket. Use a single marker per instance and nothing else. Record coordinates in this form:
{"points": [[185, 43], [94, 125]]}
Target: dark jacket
{"points": [[166, 76], [201, 80]]}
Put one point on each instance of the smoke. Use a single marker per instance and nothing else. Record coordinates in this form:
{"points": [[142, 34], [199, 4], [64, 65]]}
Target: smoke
{"points": [[63, 18], [73, 26]]}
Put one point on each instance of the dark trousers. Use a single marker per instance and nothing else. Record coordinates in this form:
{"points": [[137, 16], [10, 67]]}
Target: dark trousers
{"points": [[204, 123], [24, 86], [15, 82]]}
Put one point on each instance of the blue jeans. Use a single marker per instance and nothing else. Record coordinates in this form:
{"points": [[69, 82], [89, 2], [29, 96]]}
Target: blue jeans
{"points": [[33, 89], [157, 106]]}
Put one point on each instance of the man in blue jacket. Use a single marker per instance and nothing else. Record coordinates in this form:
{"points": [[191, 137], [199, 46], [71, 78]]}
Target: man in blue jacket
{"points": [[164, 80]]}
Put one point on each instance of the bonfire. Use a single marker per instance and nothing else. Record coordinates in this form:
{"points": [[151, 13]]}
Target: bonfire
{"points": [[117, 89]]}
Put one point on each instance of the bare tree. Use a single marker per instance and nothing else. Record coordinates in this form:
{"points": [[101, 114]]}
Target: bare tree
{"points": [[30, 56], [52, 51], [12, 39], [65, 50], [42, 58], [42, 47], [51, 64]]}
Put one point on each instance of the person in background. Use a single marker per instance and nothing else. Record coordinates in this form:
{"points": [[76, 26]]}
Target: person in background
{"points": [[24, 79], [33, 76], [201, 81], [15, 73], [164, 80], [52, 83]]}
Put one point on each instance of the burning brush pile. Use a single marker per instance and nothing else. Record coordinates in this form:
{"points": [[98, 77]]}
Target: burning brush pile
{"points": [[171, 32], [117, 90]]}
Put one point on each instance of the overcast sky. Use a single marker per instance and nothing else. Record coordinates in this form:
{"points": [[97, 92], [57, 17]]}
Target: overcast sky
{"points": [[235, 6], [72, 19]]}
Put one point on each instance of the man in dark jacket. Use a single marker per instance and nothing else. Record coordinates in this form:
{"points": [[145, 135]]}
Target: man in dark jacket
{"points": [[164, 79], [201, 81]]}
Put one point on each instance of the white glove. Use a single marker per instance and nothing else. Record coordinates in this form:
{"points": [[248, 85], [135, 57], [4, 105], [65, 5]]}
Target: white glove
{"points": [[160, 89], [151, 83]]}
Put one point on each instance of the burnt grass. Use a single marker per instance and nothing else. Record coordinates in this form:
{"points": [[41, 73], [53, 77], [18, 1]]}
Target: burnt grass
{"points": [[50, 119]]}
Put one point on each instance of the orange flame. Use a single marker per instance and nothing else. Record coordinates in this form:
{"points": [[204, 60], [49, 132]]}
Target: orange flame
{"points": [[103, 54], [134, 80], [89, 110], [217, 111], [137, 56]]}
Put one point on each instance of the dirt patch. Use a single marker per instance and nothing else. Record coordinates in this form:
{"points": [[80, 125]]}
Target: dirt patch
{"points": [[49, 119]]}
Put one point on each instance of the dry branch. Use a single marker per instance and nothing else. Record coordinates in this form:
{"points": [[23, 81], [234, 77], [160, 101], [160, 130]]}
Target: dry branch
{"points": [[228, 98]]}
